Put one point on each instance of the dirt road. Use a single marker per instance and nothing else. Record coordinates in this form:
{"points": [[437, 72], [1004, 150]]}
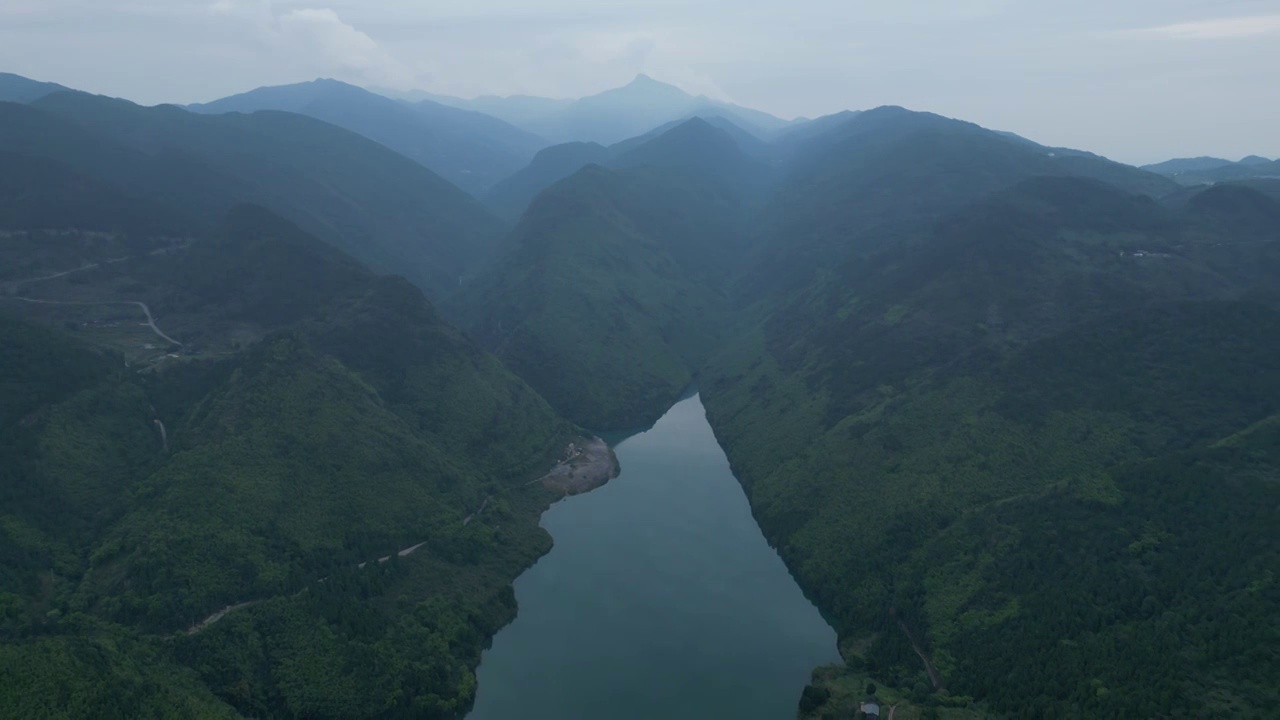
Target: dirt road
{"points": [[151, 321]]}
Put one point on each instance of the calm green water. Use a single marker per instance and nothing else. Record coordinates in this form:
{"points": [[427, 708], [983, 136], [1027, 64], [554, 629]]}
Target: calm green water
{"points": [[661, 599]]}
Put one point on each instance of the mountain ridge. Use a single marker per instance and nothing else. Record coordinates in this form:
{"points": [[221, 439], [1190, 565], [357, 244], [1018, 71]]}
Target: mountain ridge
{"points": [[377, 205], [613, 115], [470, 149]]}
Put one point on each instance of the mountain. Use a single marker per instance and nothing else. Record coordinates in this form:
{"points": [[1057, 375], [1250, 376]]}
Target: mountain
{"points": [[510, 197], [631, 260], [1179, 166], [1005, 410], [952, 366], [385, 210], [327, 418], [615, 115], [37, 192], [701, 209], [15, 88], [808, 129], [684, 143], [518, 110], [602, 303], [1206, 170], [469, 149], [909, 422], [870, 180], [611, 293]]}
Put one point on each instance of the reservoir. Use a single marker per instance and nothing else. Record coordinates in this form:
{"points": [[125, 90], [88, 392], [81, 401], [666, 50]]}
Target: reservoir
{"points": [[660, 599]]}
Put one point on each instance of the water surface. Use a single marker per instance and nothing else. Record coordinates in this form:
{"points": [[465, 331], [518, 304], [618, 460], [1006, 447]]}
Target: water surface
{"points": [[660, 599]]}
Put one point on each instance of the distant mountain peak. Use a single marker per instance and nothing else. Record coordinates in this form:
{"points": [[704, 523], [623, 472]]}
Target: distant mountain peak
{"points": [[16, 88]]}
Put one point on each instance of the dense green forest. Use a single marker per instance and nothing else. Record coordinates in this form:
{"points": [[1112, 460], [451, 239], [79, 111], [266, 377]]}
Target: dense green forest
{"points": [[917, 429], [330, 418], [613, 290], [388, 212]]}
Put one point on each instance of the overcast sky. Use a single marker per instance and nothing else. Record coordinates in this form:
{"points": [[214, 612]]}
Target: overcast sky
{"points": [[1136, 80]]}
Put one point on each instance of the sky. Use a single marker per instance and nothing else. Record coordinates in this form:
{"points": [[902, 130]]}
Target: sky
{"points": [[1138, 81]]}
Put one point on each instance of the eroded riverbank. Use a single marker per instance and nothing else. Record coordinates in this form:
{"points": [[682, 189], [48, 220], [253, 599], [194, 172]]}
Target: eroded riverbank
{"points": [[588, 465]]}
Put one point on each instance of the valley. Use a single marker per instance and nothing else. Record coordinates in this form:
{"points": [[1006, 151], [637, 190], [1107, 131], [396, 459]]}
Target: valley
{"points": [[316, 402]]}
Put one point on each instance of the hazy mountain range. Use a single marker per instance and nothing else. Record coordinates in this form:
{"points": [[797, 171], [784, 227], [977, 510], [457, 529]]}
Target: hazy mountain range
{"points": [[1007, 411], [610, 116], [1204, 170], [470, 149]]}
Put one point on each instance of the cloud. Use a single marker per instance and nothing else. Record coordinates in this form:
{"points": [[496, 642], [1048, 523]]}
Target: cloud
{"points": [[322, 31], [1213, 29], [317, 38]]}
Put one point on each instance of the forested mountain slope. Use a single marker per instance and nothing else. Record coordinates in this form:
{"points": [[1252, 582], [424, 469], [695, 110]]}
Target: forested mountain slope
{"points": [[1024, 352], [381, 208], [714, 146], [469, 149], [594, 306], [259, 475], [612, 294], [1006, 411], [925, 324], [868, 182]]}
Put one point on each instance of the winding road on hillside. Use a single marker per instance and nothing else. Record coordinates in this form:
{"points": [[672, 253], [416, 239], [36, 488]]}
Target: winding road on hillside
{"points": [[151, 322], [13, 285]]}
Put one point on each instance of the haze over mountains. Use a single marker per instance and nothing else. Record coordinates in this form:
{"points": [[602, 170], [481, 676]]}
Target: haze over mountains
{"points": [[613, 115], [281, 373], [1203, 170], [471, 150]]}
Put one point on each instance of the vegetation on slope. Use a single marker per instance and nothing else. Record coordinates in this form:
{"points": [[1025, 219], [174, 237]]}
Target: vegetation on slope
{"points": [[611, 294], [362, 425], [381, 208], [1018, 355], [592, 307], [714, 148], [872, 181]]}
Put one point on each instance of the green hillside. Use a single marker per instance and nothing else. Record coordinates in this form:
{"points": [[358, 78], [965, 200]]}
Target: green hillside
{"points": [[714, 148], [40, 193], [870, 181], [1018, 356], [923, 324], [602, 304], [377, 206], [136, 504]]}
